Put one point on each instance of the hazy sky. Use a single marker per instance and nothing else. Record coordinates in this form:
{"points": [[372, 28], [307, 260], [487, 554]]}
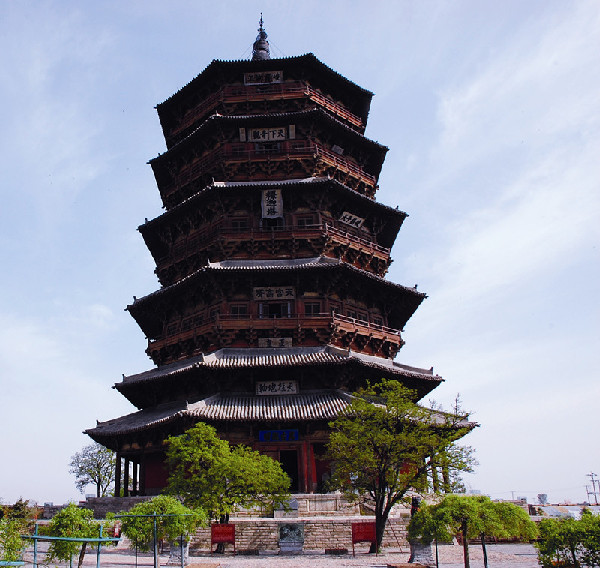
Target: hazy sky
{"points": [[491, 111]]}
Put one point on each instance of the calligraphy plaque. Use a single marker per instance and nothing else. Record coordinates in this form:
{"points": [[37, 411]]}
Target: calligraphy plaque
{"points": [[270, 388], [274, 293], [262, 77], [351, 219], [275, 342], [272, 203]]}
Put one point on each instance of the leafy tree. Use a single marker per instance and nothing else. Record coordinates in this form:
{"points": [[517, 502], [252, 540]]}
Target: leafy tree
{"points": [[71, 522], [94, 464], [385, 444], [21, 511], [210, 474], [174, 520], [471, 517], [569, 541], [11, 545]]}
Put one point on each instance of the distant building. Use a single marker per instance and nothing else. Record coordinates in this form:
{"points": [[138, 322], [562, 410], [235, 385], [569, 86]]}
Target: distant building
{"points": [[271, 254]]}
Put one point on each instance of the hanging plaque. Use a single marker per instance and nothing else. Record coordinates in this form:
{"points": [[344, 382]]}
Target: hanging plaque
{"points": [[351, 219], [275, 342], [265, 388], [270, 134], [272, 203], [262, 77], [274, 293]]}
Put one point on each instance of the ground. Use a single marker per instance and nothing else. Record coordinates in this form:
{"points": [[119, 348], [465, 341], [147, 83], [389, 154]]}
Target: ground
{"points": [[450, 556]]}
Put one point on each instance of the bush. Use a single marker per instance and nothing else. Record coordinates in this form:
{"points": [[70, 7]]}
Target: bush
{"points": [[570, 542], [11, 544], [173, 521]]}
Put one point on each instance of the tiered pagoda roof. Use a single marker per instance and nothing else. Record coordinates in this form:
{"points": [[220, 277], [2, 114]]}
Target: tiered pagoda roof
{"points": [[271, 255]]}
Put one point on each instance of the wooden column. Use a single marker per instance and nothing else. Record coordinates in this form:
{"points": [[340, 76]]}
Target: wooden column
{"points": [[312, 468], [134, 480], [126, 478], [118, 475], [142, 483]]}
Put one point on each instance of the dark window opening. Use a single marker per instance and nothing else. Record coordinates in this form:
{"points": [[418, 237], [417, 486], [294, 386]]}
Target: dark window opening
{"points": [[312, 308], [274, 310], [240, 224], [272, 223], [305, 221]]}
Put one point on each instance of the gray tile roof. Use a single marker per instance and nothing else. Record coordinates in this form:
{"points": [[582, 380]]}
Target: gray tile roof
{"points": [[294, 356], [322, 405]]}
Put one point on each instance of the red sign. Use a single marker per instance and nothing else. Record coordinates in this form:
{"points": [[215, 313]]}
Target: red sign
{"points": [[222, 533], [363, 532]]}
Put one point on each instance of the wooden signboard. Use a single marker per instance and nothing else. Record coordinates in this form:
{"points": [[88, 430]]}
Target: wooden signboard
{"points": [[363, 532], [222, 533]]}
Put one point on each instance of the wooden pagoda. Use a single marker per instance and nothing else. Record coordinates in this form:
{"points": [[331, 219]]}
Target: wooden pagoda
{"points": [[271, 254]]}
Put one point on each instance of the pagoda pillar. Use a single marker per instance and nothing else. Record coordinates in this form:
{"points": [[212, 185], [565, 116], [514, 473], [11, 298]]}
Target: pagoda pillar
{"points": [[118, 475], [142, 477], [134, 480], [126, 479]]}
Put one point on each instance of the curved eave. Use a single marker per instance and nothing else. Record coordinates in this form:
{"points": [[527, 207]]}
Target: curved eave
{"points": [[306, 61], [196, 370], [214, 121], [151, 228], [146, 310]]}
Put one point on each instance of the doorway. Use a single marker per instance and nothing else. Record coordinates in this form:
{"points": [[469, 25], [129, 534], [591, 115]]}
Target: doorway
{"points": [[289, 464]]}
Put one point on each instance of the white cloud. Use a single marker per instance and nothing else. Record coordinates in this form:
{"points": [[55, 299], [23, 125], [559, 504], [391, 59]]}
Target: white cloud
{"points": [[539, 86]]}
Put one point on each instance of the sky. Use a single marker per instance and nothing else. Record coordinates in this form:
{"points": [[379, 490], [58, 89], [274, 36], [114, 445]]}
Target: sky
{"points": [[491, 112]]}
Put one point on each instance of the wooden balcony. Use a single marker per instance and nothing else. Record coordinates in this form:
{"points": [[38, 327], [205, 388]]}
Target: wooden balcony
{"points": [[285, 151], [330, 235], [335, 328], [255, 93]]}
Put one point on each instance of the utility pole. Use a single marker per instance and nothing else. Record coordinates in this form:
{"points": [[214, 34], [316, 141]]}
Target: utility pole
{"points": [[594, 477]]}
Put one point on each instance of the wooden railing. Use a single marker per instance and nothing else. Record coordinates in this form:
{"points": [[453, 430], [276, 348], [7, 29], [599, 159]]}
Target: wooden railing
{"points": [[230, 94], [246, 152], [222, 229], [222, 323]]}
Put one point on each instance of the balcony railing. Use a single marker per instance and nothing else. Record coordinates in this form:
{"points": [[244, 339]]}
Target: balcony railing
{"points": [[222, 323], [280, 151], [231, 94], [222, 229]]}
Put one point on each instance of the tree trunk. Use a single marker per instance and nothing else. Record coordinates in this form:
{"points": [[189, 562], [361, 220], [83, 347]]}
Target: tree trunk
{"points": [[574, 555], [81, 555], [223, 520], [485, 560], [98, 490], [465, 544]]}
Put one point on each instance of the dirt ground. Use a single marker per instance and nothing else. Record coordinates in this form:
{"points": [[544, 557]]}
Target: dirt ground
{"points": [[450, 556]]}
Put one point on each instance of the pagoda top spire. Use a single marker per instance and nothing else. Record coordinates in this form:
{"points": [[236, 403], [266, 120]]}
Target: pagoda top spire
{"points": [[260, 48]]}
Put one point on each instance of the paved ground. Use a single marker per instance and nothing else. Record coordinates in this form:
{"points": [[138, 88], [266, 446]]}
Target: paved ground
{"points": [[500, 555]]}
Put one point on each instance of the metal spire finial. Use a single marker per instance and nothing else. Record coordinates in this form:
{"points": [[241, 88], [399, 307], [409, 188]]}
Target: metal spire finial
{"points": [[260, 49]]}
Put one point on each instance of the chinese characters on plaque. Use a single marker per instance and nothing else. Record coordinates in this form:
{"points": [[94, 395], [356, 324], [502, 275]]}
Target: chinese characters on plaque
{"points": [[260, 78], [267, 134], [276, 387], [351, 219], [278, 435], [274, 293], [275, 342], [272, 203]]}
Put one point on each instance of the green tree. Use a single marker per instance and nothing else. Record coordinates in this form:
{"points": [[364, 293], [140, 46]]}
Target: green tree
{"points": [[11, 545], [210, 474], [471, 517], [570, 541], [71, 522], [385, 444], [173, 520], [94, 464]]}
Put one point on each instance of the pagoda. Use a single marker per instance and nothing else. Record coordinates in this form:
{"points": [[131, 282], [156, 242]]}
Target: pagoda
{"points": [[271, 256]]}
